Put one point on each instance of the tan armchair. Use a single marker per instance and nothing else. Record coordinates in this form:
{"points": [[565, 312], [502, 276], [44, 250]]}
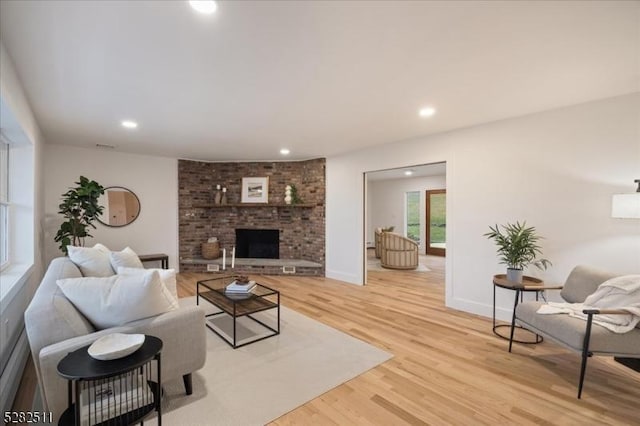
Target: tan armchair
{"points": [[397, 252], [378, 242]]}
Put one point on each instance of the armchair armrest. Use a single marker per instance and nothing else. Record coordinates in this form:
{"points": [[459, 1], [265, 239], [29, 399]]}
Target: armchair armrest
{"points": [[542, 287], [604, 311], [537, 287], [184, 350]]}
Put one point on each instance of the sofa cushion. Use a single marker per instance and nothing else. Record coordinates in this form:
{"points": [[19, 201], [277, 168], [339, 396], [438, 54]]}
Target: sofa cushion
{"points": [[92, 261], [117, 300], [50, 306], [571, 331], [168, 277], [126, 258]]}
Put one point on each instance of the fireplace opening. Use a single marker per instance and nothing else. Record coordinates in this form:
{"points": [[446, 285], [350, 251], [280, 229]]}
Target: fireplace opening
{"points": [[258, 243]]}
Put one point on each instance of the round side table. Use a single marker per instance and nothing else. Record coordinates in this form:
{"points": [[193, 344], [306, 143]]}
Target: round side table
{"points": [[120, 391], [501, 281]]}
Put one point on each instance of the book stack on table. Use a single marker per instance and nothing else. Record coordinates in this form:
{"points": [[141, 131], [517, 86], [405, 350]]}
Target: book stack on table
{"points": [[114, 397], [238, 287]]}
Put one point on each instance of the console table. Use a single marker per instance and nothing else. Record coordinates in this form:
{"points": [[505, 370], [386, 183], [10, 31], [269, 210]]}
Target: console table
{"points": [[161, 257]]}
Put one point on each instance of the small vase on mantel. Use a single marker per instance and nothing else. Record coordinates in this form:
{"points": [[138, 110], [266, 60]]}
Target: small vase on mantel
{"points": [[218, 197], [287, 195]]}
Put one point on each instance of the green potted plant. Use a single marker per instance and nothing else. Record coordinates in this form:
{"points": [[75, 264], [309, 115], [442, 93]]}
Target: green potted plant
{"points": [[295, 198], [517, 248], [80, 207]]}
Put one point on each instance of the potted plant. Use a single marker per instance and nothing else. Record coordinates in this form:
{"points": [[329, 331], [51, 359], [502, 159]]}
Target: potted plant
{"points": [[295, 198], [80, 208], [517, 248]]}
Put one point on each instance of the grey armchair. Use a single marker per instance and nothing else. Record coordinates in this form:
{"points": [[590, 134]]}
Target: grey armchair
{"points": [[575, 334]]}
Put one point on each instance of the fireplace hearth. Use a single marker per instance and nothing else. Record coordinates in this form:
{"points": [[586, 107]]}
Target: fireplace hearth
{"points": [[258, 243]]}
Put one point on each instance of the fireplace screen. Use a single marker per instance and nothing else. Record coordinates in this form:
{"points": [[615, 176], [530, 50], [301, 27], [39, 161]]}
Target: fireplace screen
{"points": [[258, 243]]}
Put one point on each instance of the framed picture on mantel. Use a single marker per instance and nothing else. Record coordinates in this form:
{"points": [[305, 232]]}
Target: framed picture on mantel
{"points": [[255, 190]]}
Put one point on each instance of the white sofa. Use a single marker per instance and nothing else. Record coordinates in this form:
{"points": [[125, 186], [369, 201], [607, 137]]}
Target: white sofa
{"points": [[55, 328]]}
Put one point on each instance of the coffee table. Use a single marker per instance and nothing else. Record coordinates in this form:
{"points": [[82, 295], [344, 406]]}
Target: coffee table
{"points": [[261, 298]]}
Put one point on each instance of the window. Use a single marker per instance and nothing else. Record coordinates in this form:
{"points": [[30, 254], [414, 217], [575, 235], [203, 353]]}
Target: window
{"points": [[437, 222], [5, 207], [412, 227], [17, 213]]}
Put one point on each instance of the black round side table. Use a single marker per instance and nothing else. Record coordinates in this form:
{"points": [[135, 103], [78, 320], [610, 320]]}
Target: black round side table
{"points": [[501, 281], [119, 392]]}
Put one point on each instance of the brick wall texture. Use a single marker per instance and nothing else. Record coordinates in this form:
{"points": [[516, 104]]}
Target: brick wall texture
{"points": [[302, 229]]}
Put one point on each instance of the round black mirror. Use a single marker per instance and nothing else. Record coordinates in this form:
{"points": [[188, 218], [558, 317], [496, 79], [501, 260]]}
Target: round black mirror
{"points": [[121, 206]]}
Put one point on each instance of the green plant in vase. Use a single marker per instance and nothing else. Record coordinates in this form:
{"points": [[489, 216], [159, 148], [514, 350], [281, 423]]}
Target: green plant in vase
{"points": [[295, 198], [517, 248], [80, 208]]}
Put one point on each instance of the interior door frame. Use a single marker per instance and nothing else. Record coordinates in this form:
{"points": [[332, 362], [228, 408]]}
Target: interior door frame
{"points": [[436, 251]]}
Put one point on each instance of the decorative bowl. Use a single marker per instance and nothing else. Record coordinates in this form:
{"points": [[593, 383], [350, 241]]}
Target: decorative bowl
{"points": [[116, 345]]}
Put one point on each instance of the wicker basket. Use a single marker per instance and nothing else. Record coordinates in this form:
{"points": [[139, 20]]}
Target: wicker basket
{"points": [[211, 250]]}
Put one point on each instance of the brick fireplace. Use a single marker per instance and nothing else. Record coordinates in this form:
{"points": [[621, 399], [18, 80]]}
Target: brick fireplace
{"points": [[300, 228]]}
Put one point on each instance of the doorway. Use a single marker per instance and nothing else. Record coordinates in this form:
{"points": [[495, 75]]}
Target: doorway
{"points": [[436, 222], [395, 201]]}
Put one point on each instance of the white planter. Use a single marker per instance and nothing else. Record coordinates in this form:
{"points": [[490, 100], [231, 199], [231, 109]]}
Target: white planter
{"points": [[514, 275]]}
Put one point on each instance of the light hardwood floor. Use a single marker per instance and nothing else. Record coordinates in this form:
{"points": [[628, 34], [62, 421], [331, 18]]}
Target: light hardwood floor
{"points": [[448, 367]]}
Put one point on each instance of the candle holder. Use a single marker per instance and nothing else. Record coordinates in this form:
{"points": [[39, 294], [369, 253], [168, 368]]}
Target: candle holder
{"points": [[223, 200], [218, 197]]}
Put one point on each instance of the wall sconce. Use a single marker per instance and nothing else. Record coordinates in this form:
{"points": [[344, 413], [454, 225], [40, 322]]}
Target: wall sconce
{"points": [[626, 206]]}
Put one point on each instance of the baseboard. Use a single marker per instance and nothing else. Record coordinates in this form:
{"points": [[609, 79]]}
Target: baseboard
{"points": [[12, 374], [473, 307], [340, 276]]}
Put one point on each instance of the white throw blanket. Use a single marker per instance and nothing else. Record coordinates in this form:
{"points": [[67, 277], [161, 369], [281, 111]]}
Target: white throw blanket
{"points": [[617, 293]]}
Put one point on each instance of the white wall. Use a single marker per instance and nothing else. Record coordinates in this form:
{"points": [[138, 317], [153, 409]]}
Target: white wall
{"points": [[387, 203], [19, 125], [153, 179], [556, 169]]}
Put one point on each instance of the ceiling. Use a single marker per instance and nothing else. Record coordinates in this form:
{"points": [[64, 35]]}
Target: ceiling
{"points": [[319, 78]]}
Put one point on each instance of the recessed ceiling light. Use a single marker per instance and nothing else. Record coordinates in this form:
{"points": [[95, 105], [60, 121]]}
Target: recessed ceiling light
{"points": [[408, 172], [285, 151], [129, 124], [427, 112], [206, 7]]}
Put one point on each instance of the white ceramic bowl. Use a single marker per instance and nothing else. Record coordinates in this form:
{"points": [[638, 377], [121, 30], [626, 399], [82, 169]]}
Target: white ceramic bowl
{"points": [[116, 345]]}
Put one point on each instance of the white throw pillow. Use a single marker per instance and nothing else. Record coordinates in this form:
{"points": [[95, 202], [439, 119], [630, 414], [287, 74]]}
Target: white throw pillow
{"points": [[93, 262], [117, 300], [168, 277], [126, 258], [102, 247]]}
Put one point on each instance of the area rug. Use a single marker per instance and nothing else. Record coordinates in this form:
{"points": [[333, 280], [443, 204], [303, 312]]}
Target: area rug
{"points": [[260, 382], [373, 264]]}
